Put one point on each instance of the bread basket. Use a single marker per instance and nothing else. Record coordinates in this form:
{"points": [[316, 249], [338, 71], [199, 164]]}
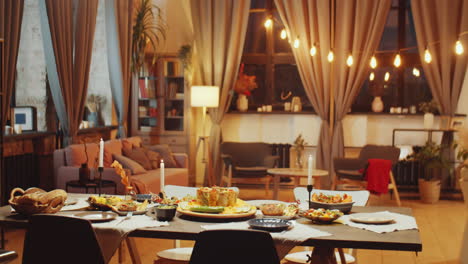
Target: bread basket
{"points": [[37, 201]]}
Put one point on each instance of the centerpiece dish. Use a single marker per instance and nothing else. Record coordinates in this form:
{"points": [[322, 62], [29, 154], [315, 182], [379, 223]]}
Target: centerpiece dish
{"points": [[216, 202], [279, 210], [344, 202], [270, 224], [117, 204], [322, 216]]}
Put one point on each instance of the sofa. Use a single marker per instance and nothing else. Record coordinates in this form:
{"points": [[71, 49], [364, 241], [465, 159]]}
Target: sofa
{"points": [[67, 162]]}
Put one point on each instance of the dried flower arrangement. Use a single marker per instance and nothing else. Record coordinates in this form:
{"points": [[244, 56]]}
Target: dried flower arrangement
{"points": [[95, 102], [429, 107], [245, 83]]}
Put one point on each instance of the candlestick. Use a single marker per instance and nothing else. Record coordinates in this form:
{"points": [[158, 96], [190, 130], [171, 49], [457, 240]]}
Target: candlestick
{"points": [[162, 176], [100, 170], [309, 189], [309, 171], [101, 153]]}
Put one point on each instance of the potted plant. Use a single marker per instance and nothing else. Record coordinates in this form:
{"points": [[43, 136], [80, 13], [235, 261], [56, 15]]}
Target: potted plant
{"points": [[431, 165], [429, 109]]}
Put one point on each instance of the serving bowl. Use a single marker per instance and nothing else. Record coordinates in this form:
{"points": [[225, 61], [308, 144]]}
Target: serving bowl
{"points": [[273, 209], [323, 216], [343, 207], [165, 212]]}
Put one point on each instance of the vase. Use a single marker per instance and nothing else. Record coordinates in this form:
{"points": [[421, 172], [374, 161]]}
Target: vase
{"points": [[84, 173], [242, 103], [377, 104], [92, 119], [429, 191], [428, 120]]}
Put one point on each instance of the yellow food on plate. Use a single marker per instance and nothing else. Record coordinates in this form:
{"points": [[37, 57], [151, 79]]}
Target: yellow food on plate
{"points": [[332, 199], [239, 207], [116, 203], [216, 196]]}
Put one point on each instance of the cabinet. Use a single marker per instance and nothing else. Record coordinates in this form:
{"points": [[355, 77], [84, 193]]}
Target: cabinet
{"points": [[160, 105]]}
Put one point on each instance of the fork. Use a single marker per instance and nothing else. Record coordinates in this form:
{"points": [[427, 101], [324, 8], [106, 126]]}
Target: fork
{"points": [[128, 216]]}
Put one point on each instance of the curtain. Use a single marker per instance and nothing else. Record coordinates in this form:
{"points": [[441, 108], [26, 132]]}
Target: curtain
{"points": [[358, 27], [219, 33], [11, 16], [119, 29], [438, 24], [68, 42], [358, 30]]}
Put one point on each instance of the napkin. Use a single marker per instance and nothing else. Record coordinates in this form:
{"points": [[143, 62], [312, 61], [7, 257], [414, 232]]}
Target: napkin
{"points": [[401, 222], [80, 204], [110, 234], [284, 241]]}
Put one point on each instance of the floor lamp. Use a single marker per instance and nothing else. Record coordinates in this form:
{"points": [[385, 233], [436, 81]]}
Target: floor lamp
{"points": [[204, 96]]}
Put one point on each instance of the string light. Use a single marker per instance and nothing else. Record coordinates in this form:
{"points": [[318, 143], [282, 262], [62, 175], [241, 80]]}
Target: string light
{"points": [[373, 62], [330, 56], [459, 47], [296, 43], [387, 76], [313, 50], [397, 61], [283, 34], [371, 76], [349, 61], [268, 23], [427, 56], [416, 72]]}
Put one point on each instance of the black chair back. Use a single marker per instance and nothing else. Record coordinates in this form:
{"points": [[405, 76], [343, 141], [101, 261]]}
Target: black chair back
{"points": [[60, 239], [249, 154], [234, 247], [380, 152]]}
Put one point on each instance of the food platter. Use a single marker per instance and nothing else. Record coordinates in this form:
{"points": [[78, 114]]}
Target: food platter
{"points": [[371, 218], [270, 224], [343, 207], [251, 212], [96, 216]]}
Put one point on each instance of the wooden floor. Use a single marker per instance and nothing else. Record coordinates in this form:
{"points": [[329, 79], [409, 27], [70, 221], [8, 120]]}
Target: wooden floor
{"points": [[441, 226]]}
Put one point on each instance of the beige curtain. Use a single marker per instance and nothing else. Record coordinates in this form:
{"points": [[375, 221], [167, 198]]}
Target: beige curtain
{"points": [[72, 41], [358, 30], [11, 16], [219, 32]]}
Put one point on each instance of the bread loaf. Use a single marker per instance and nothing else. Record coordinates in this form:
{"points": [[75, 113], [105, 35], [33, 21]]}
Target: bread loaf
{"points": [[216, 196], [35, 200]]}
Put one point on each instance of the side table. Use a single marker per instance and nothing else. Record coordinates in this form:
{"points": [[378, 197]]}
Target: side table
{"points": [[91, 184]]}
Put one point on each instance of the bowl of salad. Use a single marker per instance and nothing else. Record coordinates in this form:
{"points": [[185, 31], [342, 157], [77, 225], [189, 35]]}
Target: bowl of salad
{"points": [[322, 216]]}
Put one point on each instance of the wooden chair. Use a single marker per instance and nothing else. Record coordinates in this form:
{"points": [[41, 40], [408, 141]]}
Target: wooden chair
{"points": [[7, 255], [60, 239], [233, 247], [247, 163], [348, 171]]}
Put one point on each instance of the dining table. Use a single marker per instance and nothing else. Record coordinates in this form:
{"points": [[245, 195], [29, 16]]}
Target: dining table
{"points": [[185, 227]]}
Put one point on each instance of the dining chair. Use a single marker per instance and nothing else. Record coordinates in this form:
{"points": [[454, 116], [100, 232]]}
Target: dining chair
{"points": [[233, 247], [60, 239], [351, 171], [360, 198]]}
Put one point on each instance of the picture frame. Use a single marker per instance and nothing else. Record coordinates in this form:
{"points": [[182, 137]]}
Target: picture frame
{"points": [[25, 116], [457, 123]]}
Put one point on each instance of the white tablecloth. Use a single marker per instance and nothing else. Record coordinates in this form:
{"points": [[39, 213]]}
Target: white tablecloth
{"points": [[401, 222]]}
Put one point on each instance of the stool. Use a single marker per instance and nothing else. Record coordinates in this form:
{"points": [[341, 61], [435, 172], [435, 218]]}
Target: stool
{"points": [[91, 184]]}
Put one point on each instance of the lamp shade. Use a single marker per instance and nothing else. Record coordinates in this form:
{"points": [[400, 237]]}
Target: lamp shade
{"points": [[204, 96]]}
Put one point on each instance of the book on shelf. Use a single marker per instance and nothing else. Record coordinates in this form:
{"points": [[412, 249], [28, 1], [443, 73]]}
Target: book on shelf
{"points": [[142, 85]]}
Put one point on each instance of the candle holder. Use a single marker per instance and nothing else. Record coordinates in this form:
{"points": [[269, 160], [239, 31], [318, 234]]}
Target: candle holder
{"points": [[100, 170], [310, 187]]}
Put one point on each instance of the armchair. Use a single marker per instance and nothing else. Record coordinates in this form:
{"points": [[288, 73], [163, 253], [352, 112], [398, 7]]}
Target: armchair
{"points": [[352, 171], [247, 163]]}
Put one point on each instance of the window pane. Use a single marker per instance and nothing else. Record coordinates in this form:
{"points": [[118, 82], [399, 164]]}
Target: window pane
{"points": [[410, 36], [257, 4], [288, 81], [416, 88], [258, 96], [256, 34], [390, 35], [281, 45]]}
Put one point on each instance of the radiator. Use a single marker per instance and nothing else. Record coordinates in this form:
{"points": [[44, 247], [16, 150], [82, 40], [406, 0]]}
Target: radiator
{"points": [[282, 150]]}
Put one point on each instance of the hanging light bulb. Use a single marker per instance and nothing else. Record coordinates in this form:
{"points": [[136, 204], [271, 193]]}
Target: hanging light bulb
{"points": [[283, 34], [371, 76], [268, 23], [416, 72], [349, 61], [373, 62], [397, 61], [296, 43], [387, 76], [427, 56], [313, 50], [459, 47], [330, 56]]}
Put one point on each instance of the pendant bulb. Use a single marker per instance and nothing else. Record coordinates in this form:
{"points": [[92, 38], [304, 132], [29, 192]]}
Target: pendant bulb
{"points": [[373, 62], [330, 56], [416, 72], [387, 76], [296, 43], [397, 61], [371, 76], [459, 47], [427, 56], [283, 34], [313, 51], [268, 23], [350, 61]]}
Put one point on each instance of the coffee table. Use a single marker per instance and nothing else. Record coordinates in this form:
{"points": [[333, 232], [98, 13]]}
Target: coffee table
{"points": [[297, 173]]}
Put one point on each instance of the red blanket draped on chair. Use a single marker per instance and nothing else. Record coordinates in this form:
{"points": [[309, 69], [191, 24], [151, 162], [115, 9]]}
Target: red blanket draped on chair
{"points": [[378, 175]]}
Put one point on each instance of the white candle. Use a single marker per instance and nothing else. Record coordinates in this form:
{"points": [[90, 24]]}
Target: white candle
{"points": [[101, 153], [309, 172], [161, 166]]}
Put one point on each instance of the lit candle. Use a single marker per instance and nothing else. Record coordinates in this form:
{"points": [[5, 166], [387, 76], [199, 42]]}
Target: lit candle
{"points": [[161, 166], [309, 174], [101, 153]]}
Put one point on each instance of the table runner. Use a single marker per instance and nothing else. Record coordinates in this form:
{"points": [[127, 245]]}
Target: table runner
{"points": [[402, 222]]}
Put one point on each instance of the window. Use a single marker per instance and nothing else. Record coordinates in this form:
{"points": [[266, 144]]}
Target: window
{"points": [[404, 88], [269, 57]]}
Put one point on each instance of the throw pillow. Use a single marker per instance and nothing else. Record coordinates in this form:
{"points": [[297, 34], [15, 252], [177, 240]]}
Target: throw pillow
{"points": [[154, 158], [131, 142], [166, 154], [127, 163], [76, 155], [111, 147], [138, 155]]}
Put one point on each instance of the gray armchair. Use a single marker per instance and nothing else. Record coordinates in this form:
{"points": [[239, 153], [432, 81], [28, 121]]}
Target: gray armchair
{"points": [[247, 163]]}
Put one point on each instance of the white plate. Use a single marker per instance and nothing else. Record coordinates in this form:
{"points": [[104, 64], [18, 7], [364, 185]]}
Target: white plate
{"points": [[96, 216], [257, 203], [71, 201], [371, 218]]}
